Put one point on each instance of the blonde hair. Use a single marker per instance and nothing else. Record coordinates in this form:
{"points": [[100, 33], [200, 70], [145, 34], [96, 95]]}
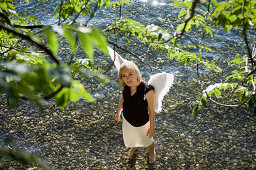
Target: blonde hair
{"points": [[128, 65]]}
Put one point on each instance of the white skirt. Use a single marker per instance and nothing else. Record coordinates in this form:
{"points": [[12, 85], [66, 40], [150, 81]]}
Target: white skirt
{"points": [[136, 136]]}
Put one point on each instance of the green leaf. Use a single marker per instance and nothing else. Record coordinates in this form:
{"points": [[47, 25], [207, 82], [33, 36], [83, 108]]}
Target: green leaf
{"points": [[215, 2], [70, 38], [86, 44], [99, 39], [100, 2], [227, 27], [182, 12], [77, 91], [195, 110], [11, 6], [189, 25], [203, 100], [209, 31], [199, 55], [77, 8], [180, 27], [217, 92], [3, 6], [188, 4], [62, 97], [36, 39], [52, 40], [232, 18], [32, 17]]}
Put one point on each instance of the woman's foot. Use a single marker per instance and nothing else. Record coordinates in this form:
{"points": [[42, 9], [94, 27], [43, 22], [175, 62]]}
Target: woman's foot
{"points": [[130, 152], [152, 157]]}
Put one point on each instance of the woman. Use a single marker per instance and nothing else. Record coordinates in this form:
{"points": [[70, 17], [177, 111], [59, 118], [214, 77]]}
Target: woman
{"points": [[137, 104]]}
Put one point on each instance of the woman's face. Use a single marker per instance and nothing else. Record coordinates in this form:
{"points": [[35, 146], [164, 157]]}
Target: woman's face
{"points": [[129, 77]]}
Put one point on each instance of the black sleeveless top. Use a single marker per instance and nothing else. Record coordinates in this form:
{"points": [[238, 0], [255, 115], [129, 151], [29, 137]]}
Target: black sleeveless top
{"points": [[135, 107]]}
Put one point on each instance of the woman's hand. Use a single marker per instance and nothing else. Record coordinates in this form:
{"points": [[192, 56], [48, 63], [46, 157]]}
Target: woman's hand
{"points": [[151, 132], [117, 117]]}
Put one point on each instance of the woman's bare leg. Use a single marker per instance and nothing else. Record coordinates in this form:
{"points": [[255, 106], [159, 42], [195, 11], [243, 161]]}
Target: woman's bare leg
{"points": [[130, 152], [152, 153]]}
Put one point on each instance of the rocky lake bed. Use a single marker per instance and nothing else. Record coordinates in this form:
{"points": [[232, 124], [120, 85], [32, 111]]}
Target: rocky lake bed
{"points": [[85, 135]]}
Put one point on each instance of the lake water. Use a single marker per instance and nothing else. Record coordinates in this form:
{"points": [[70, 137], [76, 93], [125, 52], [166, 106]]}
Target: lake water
{"points": [[158, 12]]}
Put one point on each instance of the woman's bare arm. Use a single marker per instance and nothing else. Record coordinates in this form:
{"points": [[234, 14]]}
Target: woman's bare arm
{"points": [[151, 100], [120, 108]]}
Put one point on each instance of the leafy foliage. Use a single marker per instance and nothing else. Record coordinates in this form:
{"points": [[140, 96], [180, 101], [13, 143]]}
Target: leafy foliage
{"points": [[74, 8], [30, 76], [159, 39], [41, 78], [236, 14]]}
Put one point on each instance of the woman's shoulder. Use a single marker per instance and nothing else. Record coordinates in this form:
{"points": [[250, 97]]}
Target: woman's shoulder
{"points": [[147, 87]]}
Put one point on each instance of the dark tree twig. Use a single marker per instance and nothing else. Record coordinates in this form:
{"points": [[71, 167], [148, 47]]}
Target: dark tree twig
{"points": [[245, 36], [96, 7], [238, 105], [54, 93], [25, 37], [189, 18], [7, 21], [61, 3], [129, 52], [80, 12], [221, 104]]}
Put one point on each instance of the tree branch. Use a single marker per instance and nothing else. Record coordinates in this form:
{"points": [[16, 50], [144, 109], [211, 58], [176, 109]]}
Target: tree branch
{"points": [[245, 35], [80, 12], [141, 60], [221, 104], [96, 7], [54, 93], [246, 101], [61, 3], [45, 97], [25, 37], [29, 26], [7, 20], [241, 81], [109, 67], [189, 18], [239, 105]]}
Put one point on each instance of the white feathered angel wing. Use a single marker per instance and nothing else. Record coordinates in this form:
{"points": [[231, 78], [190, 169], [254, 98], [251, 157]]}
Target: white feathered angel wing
{"points": [[118, 60], [162, 82]]}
